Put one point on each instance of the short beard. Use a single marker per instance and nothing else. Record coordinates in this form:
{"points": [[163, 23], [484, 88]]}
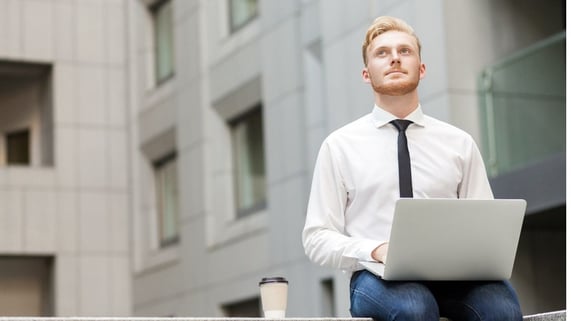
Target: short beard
{"points": [[399, 89]]}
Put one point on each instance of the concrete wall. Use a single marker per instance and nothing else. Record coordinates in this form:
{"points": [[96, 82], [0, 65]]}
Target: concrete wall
{"points": [[76, 210]]}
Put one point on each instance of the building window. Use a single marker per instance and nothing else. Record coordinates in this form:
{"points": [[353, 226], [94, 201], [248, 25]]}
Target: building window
{"points": [[249, 308], [248, 161], [26, 114], [327, 298], [166, 182], [162, 13], [241, 12], [18, 147], [27, 286]]}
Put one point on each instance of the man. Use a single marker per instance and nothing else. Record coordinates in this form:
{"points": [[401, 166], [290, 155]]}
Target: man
{"points": [[356, 184]]}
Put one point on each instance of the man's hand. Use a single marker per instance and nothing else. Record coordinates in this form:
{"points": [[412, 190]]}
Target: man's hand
{"points": [[380, 252]]}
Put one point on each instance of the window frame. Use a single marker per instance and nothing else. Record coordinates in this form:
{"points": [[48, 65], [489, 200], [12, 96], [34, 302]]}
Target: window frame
{"points": [[158, 167], [224, 227], [35, 113], [234, 27], [155, 10], [233, 123]]}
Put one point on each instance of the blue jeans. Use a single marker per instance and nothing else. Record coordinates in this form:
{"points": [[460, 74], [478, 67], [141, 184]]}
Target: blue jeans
{"points": [[383, 300]]}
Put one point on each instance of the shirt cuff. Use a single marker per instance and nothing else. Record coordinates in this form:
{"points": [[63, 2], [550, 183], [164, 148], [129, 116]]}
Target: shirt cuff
{"points": [[366, 249]]}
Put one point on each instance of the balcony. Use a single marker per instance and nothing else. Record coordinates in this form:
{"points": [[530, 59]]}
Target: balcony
{"points": [[522, 101], [522, 108]]}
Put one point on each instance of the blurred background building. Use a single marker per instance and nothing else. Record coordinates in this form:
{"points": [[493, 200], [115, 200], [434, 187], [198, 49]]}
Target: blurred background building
{"points": [[156, 155]]}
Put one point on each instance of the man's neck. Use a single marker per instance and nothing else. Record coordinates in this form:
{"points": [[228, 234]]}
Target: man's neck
{"points": [[400, 106]]}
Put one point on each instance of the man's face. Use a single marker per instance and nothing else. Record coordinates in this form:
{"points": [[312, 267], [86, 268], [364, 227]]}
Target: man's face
{"points": [[393, 67]]}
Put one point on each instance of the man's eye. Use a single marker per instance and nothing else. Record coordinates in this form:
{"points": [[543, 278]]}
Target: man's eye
{"points": [[405, 50], [382, 52]]}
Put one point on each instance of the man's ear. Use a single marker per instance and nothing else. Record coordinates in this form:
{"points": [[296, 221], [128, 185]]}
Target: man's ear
{"points": [[365, 75], [422, 70]]}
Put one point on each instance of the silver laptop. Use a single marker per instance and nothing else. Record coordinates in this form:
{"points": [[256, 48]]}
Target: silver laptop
{"points": [[452, 239]]}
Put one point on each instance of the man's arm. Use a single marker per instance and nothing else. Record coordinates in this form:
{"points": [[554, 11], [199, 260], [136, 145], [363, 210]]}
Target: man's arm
{"points": [[324, 238], [475, 183]]}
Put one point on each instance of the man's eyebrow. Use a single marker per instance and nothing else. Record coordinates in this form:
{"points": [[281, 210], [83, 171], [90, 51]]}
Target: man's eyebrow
{"points": [[381, 47], [398, 47]]}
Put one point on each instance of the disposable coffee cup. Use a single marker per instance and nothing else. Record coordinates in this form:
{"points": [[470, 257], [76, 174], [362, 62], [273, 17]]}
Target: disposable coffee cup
{"points": [[273, 292]]}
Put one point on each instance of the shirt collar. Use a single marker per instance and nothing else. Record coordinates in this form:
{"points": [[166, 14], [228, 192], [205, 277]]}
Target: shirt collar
{"points": [[382, 117]]}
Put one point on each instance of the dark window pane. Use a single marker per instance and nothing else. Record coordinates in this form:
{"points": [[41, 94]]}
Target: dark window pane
{"points": [[18, 147]]}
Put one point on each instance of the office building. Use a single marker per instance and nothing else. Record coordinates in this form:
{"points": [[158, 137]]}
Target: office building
{"points": [[156, 156]]}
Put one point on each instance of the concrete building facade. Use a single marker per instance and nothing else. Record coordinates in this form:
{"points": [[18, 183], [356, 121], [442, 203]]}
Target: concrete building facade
{"points": [[171, 161], [64, 180]]}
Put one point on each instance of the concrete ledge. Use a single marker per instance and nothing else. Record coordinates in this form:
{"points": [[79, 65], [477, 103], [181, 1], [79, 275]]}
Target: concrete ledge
{"points": [[550, 316], [171, 319]]}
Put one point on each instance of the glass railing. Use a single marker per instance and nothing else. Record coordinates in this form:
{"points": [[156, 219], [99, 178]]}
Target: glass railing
{"points": [[522, 107]]}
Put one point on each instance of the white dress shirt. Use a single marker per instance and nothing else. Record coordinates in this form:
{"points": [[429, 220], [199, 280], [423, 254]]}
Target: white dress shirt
{"points": [[356, 184]]}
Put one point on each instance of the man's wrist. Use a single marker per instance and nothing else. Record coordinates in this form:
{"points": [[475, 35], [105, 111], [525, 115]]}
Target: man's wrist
{"points": [[380, 252]]}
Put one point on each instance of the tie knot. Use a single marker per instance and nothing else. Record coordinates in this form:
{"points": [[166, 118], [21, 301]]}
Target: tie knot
{"points": [[401, 124]]}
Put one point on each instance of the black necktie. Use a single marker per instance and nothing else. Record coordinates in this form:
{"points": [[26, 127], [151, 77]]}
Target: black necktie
{"points": [[405, 179]]}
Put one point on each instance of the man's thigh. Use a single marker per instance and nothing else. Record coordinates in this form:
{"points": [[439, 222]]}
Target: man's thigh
{"points": [[475, 301], [386, 300]]}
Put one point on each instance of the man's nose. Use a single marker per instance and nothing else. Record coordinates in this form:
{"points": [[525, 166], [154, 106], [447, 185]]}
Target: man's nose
{"points": [[395, 57]]}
